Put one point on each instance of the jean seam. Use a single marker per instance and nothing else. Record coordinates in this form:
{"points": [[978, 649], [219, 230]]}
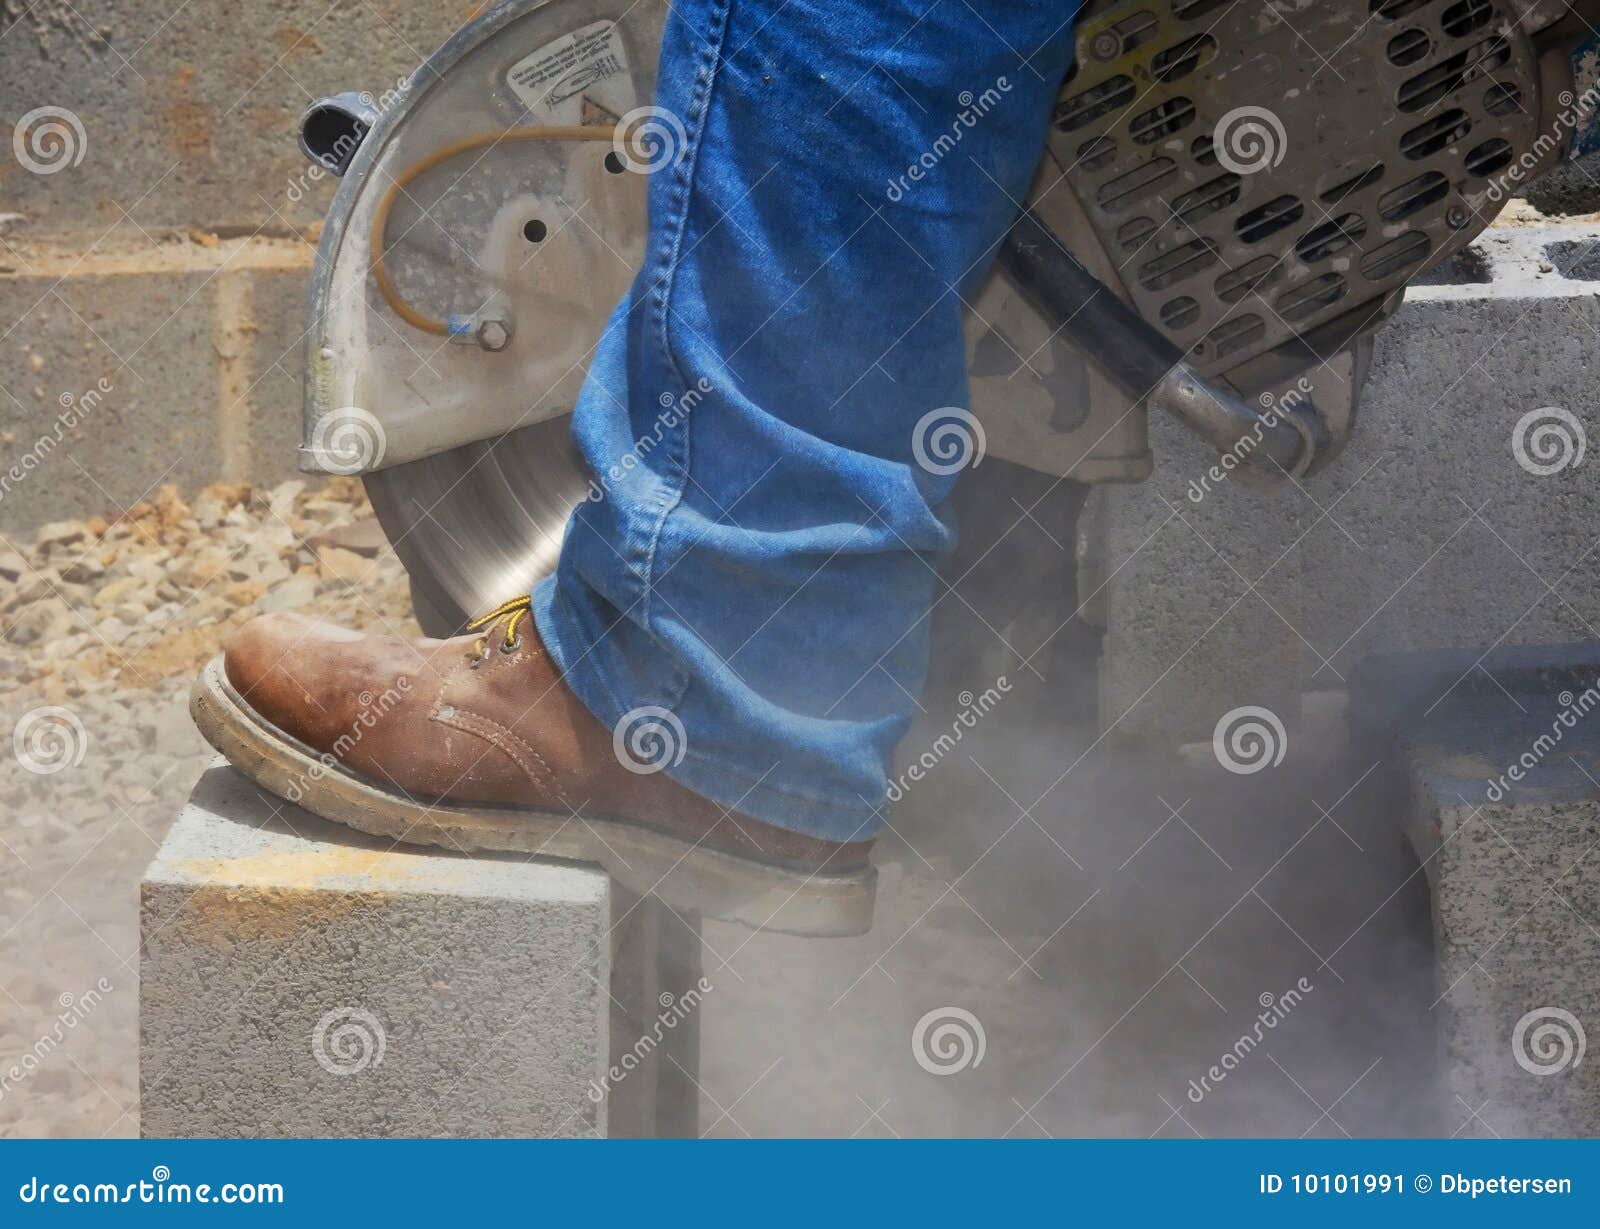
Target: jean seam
{"points": [[661, 299]]}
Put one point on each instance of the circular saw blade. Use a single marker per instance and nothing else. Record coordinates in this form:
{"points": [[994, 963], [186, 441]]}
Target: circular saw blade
{"points": [[480, 523]]}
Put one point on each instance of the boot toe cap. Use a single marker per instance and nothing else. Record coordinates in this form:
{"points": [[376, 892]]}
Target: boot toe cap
{"points": [[270, 663]]}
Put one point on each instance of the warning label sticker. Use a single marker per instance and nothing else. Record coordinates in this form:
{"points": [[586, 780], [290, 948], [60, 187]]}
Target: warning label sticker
{"points": [[582, 78]]}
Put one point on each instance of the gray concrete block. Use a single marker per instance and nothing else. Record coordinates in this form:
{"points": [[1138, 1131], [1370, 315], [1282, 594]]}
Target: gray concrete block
{"points": [[188, 113], [1515, 901], [277, 374], [127, 369], [1200, 599], [1426, 533], [299, 979], [149, 341]]}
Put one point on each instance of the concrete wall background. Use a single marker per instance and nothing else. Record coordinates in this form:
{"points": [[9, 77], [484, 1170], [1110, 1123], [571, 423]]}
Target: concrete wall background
{"points": [[189, 109], [168, 251]]}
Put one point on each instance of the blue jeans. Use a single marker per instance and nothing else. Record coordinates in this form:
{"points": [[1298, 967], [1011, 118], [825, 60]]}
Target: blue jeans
{"points": [[758, 554]]}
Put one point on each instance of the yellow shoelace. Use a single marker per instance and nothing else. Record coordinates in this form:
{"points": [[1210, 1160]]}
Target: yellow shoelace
{"points": [[516, 608]]}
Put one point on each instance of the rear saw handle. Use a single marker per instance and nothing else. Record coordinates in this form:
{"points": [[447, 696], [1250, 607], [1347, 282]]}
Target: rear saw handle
{"points": [[1146, 366]]}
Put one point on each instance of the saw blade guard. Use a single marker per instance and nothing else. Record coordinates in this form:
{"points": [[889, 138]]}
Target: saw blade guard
{"points": [[484, 231], [490, 217]]}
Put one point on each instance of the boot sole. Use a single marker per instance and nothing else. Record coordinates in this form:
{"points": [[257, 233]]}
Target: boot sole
{"points": [[687, 877]]}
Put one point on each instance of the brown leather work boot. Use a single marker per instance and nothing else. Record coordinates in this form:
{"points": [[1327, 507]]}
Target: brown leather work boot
{"points": [[476, 743]]}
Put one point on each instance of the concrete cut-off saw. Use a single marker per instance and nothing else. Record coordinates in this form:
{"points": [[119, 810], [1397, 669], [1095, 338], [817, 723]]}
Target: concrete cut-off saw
{"points": [[1234, 197]]}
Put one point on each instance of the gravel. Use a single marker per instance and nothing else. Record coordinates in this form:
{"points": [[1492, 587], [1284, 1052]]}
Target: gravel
{"points": [[102, 627]]}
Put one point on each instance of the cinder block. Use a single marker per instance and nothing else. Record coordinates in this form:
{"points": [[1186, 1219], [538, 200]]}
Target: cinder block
{"points": [[1427, 532], [171, 362], [277, 373], [1200, 599], [299, 979], [188, 113], [1504, 813]]}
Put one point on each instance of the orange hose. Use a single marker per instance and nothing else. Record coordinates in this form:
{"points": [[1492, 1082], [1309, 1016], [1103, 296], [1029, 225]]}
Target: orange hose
{"points": [[380, 221]]}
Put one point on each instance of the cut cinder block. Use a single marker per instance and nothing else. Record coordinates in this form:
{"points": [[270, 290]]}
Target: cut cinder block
{"points": [[1504, 813], [298, 979], [1430, 530]]}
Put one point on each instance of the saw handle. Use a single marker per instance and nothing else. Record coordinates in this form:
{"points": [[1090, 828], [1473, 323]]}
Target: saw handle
{"points": [[1145, 365]]}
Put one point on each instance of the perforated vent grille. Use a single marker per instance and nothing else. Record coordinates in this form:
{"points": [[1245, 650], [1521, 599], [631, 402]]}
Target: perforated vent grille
{"points": [[1259, 171]]}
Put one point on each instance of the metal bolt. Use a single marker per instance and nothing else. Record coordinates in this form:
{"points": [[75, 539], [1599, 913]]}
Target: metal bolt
{"points": [[1457, 217], [1105, 46], [494, 335]]}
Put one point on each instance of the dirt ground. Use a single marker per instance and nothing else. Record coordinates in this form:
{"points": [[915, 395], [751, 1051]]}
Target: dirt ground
{"points": [[102, 627]]}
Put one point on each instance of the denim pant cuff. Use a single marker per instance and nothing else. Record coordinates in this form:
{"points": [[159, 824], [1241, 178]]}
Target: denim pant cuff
{"points": [[587, 668]]}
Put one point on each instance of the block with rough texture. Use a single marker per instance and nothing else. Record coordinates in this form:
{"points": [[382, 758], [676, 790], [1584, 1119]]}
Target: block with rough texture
{"points": [[186, 116], [1430, 530], [300, 979], [175, 363], [1502, 757]]}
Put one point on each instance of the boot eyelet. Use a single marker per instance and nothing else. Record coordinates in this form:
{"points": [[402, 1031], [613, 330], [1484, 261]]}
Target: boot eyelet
{"points": [[512, 647]]}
